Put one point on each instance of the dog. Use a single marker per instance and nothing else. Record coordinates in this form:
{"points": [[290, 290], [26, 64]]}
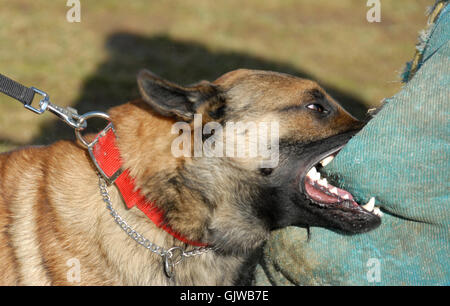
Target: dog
{"points": [[53, 217]]}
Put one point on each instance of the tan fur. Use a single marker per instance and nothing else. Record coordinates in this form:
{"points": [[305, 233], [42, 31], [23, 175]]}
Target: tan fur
{"points": [[51, 209]]}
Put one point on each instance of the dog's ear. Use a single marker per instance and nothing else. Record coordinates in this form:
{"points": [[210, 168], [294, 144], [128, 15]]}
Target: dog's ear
{"points": [[173, 100]]}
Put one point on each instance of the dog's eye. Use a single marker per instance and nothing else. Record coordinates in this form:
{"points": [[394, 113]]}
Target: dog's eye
{"points": [[316, 107]]}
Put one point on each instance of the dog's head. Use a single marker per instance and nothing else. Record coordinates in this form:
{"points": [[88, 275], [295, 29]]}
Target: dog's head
{"points": [[249, 195]]}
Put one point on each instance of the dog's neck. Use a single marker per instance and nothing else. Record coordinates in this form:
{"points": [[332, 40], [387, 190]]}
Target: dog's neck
{"points": [[186, 188], [144, 141]]}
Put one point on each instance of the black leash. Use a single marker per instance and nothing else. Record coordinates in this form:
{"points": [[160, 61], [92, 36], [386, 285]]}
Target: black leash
{"points": [[25, 95], [17, 91]]}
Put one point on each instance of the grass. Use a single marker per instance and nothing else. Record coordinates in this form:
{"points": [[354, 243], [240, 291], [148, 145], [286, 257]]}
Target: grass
{"points": [[92, 64]]}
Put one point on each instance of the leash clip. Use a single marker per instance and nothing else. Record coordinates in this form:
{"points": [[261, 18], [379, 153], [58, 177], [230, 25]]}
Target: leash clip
{"points": [[68, 114]]}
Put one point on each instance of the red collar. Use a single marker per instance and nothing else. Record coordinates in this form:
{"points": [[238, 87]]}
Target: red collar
{"points": [[106, 157]]}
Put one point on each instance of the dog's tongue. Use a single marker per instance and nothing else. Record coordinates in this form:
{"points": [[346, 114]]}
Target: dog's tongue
{"points": [[321, 191]]}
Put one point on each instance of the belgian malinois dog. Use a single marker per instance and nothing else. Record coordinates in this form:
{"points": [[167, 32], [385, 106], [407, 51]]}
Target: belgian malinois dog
{"points": [[52, 213]]}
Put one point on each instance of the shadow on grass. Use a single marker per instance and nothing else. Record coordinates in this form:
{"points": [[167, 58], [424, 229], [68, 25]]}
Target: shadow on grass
{"points": [[10, 143], [114, 82]]}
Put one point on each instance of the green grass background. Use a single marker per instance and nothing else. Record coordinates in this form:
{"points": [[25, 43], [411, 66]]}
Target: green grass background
{"points": [[92, 65]]}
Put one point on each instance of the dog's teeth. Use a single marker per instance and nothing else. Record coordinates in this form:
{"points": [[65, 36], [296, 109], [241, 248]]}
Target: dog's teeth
{"points": [[370, 205], [323, 182], [346, 197], [334, 190], [313, 174], [377, 212], [316, 176], [326, 160]]}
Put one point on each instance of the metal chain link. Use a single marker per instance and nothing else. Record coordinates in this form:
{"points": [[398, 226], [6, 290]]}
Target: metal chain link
{"points": [[169, 256]]}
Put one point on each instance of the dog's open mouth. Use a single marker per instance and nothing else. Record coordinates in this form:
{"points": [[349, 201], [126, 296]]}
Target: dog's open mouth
{"points": [[335, 204], [322, 192]]}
